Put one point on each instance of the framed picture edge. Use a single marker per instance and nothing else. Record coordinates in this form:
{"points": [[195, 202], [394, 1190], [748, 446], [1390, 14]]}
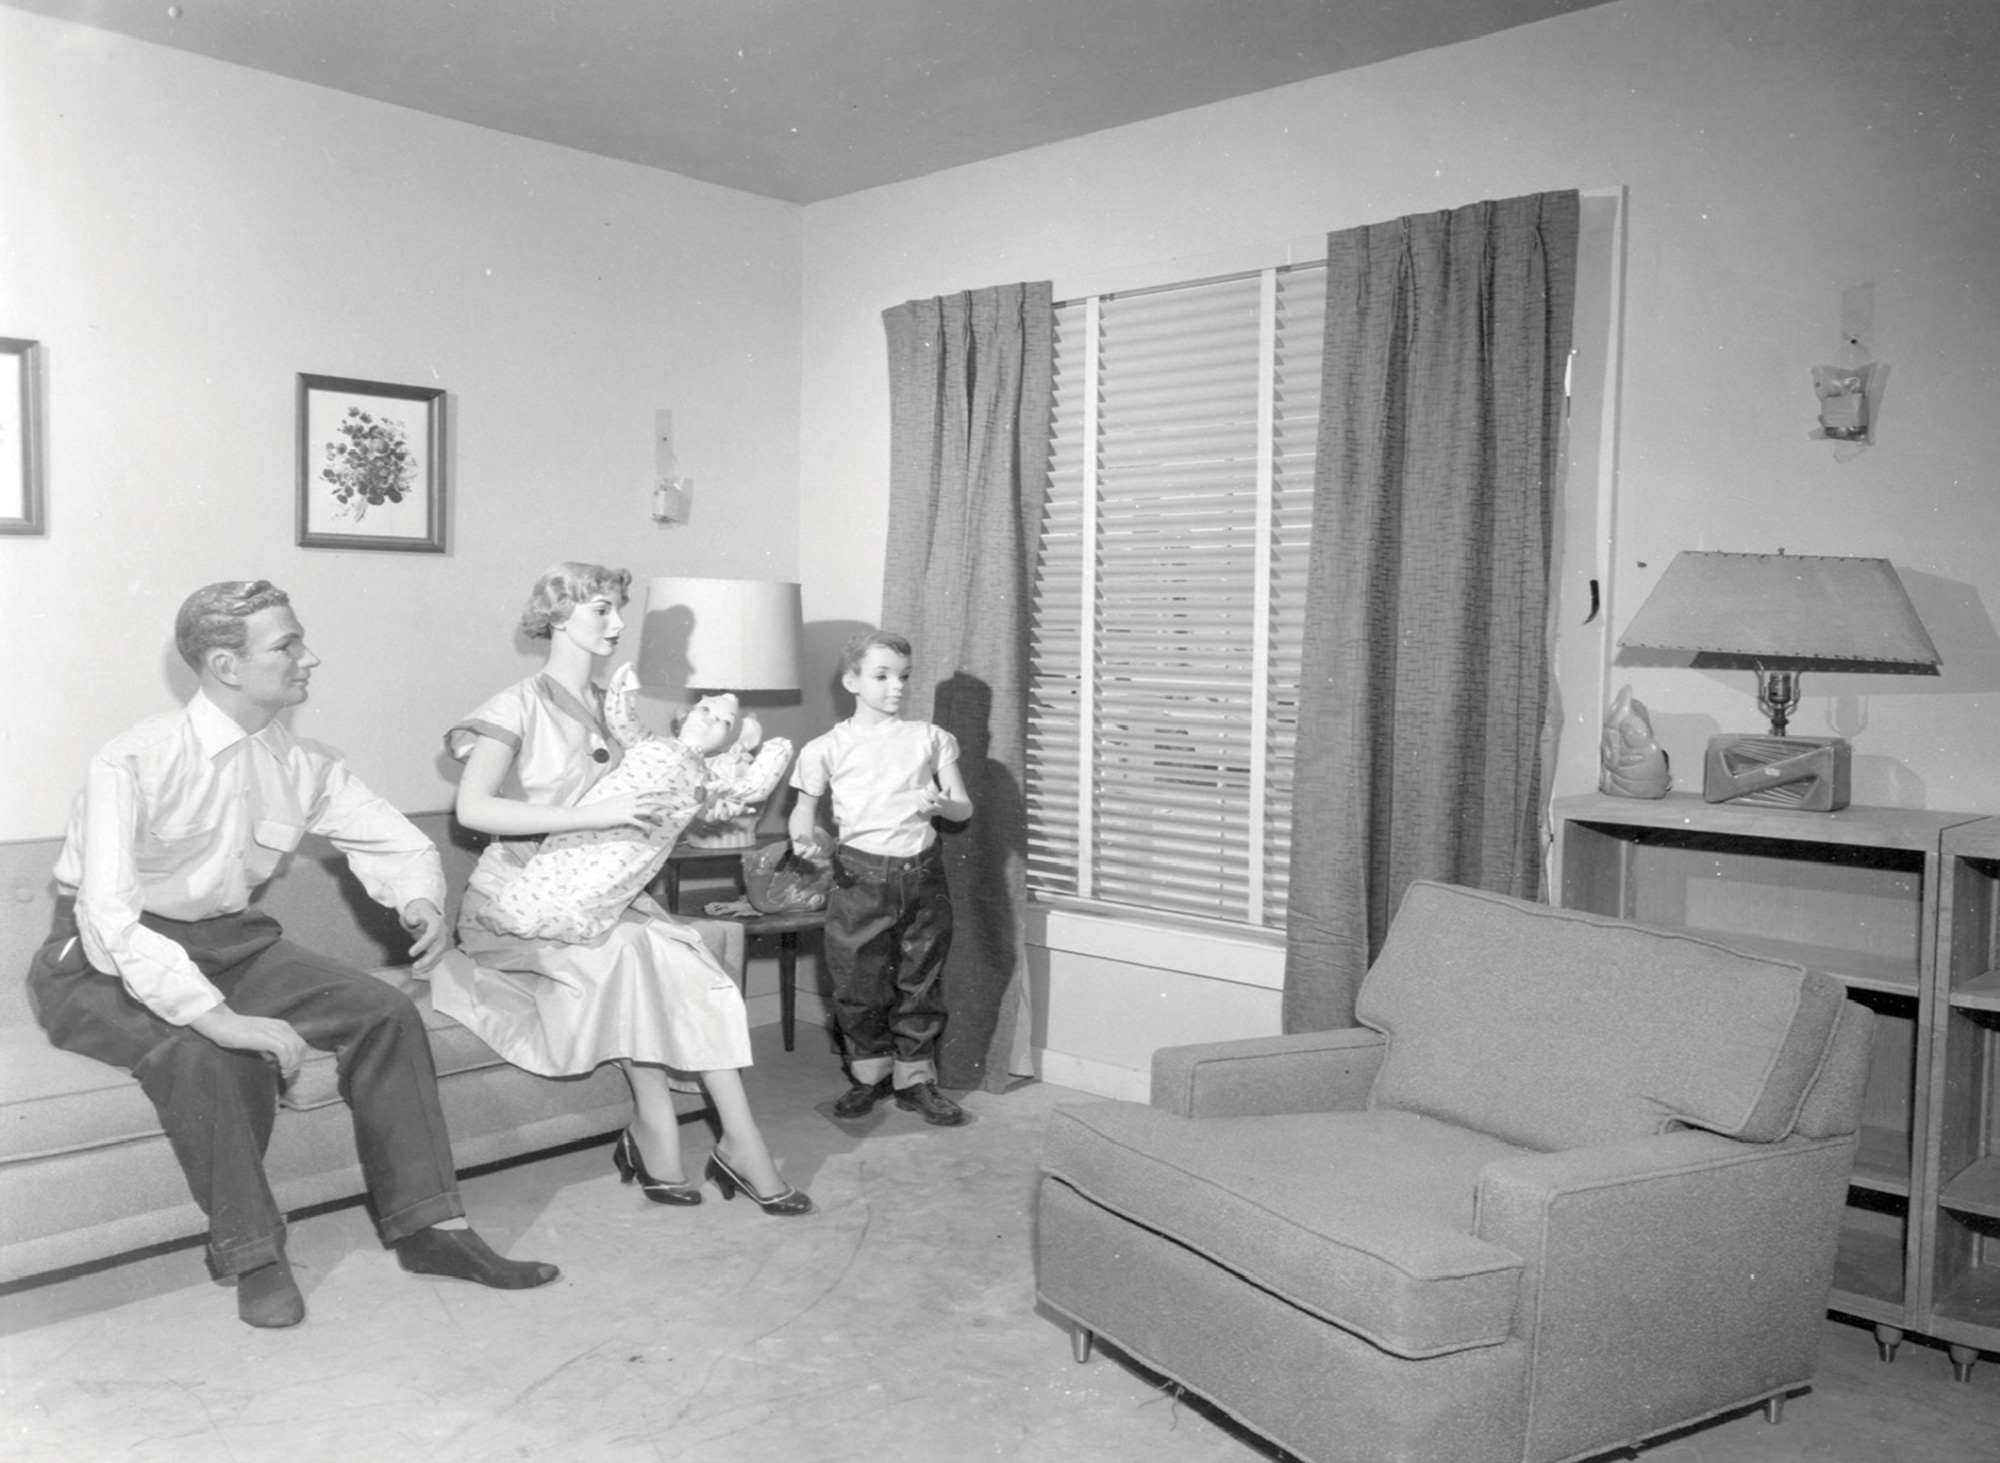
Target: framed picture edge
{"points": [[433, 398], [34, 519]]}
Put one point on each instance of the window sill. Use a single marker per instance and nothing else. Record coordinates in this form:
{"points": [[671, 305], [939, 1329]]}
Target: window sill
{"points": [[1240, 957]]}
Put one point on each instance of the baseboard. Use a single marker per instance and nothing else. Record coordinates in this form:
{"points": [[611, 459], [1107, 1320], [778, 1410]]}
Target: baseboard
{"points": [[1099, 1079]]}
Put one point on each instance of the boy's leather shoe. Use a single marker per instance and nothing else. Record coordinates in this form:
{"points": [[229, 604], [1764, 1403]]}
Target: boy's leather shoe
{"points": [[923, 1097], [860, 1099]]}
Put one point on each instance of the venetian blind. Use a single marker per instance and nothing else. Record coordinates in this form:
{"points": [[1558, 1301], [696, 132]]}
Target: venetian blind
{"points": [[1169, 595]]}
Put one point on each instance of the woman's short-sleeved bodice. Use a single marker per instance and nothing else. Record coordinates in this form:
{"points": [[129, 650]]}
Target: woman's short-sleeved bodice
{"points": [[560, 748]]}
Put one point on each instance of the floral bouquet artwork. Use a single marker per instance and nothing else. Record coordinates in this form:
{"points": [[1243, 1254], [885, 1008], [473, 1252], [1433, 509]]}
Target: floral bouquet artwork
{"points": [[371, 465]]}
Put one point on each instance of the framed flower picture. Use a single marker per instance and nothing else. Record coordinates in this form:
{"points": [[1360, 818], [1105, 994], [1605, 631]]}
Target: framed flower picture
{"points": [[21, 501], [371, 465]]}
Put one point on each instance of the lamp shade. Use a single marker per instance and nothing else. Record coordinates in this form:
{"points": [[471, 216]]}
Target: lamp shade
{"points": [[721, 635], [1784, 612]]}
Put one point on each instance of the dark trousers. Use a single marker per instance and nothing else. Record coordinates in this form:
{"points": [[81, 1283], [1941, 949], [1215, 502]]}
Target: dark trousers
{"points": [[888, 930], [217, 1105]]}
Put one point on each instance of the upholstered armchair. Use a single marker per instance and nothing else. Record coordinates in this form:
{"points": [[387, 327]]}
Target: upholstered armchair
{"points": [[1570, 1183]]}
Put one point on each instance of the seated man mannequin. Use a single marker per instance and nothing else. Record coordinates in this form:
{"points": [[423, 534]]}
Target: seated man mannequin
{"points": [[158, 964]]}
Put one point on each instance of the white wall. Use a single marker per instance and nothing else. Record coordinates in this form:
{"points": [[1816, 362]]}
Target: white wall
{"points": [[1778, 154], [185, 236]]}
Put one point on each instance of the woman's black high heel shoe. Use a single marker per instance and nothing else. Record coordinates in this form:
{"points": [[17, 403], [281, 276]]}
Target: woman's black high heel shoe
{"points": [[728, 1181], [625, 1154]]}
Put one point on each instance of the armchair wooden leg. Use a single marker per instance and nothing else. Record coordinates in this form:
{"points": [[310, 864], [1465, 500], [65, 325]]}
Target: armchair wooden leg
{"points": [[1962, 1358], [1080, 1337], [1887, 1339], [1774, 1408]]}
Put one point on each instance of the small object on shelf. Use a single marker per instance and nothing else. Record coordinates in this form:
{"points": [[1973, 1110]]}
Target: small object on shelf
{"points": [[1808, 774], [1633, 764]]}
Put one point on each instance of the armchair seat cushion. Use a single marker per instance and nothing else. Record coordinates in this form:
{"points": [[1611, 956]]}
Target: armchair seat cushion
{"points": [[1362, 1218]]}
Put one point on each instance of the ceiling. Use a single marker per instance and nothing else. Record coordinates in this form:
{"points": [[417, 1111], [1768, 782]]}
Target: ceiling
{"points": [[801, 99]]}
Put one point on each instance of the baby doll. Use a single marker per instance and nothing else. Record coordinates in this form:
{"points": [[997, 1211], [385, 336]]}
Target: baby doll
{"points": [[578, 884]]}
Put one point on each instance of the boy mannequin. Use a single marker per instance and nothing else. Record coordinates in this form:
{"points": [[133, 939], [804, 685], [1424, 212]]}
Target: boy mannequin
{"points": [[889, 915], [158, 963]]}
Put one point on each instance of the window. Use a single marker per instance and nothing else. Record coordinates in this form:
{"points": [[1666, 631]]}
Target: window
{"points": [[1169, 596]]}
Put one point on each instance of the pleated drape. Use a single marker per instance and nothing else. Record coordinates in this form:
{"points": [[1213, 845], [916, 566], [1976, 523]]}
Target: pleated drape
{"points": [[969, 394], [1426, 669]]}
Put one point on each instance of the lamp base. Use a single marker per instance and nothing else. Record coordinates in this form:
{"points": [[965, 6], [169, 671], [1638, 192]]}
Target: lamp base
{"points": [[1810, 774]]}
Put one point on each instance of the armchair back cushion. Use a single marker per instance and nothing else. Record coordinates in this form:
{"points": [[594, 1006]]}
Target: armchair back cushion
{"points": [[1554, 1029]]}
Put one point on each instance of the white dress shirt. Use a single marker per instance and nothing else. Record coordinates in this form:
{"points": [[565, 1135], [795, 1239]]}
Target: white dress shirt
{"points": [[187, 814]]}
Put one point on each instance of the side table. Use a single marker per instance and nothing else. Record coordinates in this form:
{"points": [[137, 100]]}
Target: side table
{"points": [[786, 927]]}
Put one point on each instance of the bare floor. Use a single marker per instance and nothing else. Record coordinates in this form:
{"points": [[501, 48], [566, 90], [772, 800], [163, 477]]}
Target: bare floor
{"points": [[897, 1322]]}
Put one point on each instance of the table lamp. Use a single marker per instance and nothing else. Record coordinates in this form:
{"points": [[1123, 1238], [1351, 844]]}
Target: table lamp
{"points": [[1779, 615], [707, 636]]}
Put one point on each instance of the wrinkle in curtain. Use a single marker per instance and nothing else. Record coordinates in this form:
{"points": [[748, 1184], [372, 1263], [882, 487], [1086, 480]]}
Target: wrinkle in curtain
{"points": [[1425, 680], [970, 385]]}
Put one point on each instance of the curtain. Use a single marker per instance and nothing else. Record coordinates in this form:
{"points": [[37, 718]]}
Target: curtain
{"points": [[969, 393], [1425, 679]]}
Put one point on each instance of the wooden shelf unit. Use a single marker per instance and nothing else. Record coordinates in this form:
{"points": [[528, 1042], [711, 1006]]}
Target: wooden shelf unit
{"points": [[1962, 1289], [1857, 894]]}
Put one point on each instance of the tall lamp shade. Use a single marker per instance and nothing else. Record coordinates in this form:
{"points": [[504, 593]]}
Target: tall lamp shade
{"points": [[1779, 615], [721, 635]]}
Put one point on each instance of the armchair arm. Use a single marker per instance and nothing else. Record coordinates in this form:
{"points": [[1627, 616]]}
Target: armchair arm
{"points": [[1683, 1273], [1311, 1071]]}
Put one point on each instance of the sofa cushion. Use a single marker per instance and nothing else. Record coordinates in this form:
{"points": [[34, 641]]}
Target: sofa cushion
{"points": [[53, 1101], [1556, 1029], [1363, 1219]]}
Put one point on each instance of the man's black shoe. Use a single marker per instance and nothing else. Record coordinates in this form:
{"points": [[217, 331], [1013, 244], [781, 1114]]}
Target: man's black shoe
{"points": [[463, 1255], [860, 1099], [923, 1097]]}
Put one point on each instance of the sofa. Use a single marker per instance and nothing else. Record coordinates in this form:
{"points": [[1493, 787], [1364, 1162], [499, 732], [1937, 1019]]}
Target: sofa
{"points": [[87, 1175], [1568, 1184]]}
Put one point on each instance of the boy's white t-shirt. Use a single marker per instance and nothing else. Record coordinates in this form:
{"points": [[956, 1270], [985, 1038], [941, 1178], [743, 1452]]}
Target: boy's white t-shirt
{"points": [[876, 774]]}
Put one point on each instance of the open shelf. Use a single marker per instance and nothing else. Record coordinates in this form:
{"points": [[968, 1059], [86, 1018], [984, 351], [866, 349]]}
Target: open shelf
{"points": [[1882, 1163], [1975, 1189], [1980, 993], [1962, 1243], [1868, 1271], [1858, 969]]}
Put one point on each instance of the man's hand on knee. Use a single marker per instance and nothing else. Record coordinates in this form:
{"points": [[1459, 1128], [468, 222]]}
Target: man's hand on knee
{"points": [[425, 921], [267, 1034]]}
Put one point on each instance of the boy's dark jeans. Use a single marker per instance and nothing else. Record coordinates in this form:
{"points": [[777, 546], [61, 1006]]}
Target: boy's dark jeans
{"points": [[888, 929]]}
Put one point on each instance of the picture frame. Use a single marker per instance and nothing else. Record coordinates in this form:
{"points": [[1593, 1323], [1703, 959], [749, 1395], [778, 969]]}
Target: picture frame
{"points": [[371, 465], [23, 490]]}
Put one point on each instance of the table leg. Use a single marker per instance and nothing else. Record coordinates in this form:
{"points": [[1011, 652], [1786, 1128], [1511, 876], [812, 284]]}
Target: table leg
{"points": [[788, 981]]}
